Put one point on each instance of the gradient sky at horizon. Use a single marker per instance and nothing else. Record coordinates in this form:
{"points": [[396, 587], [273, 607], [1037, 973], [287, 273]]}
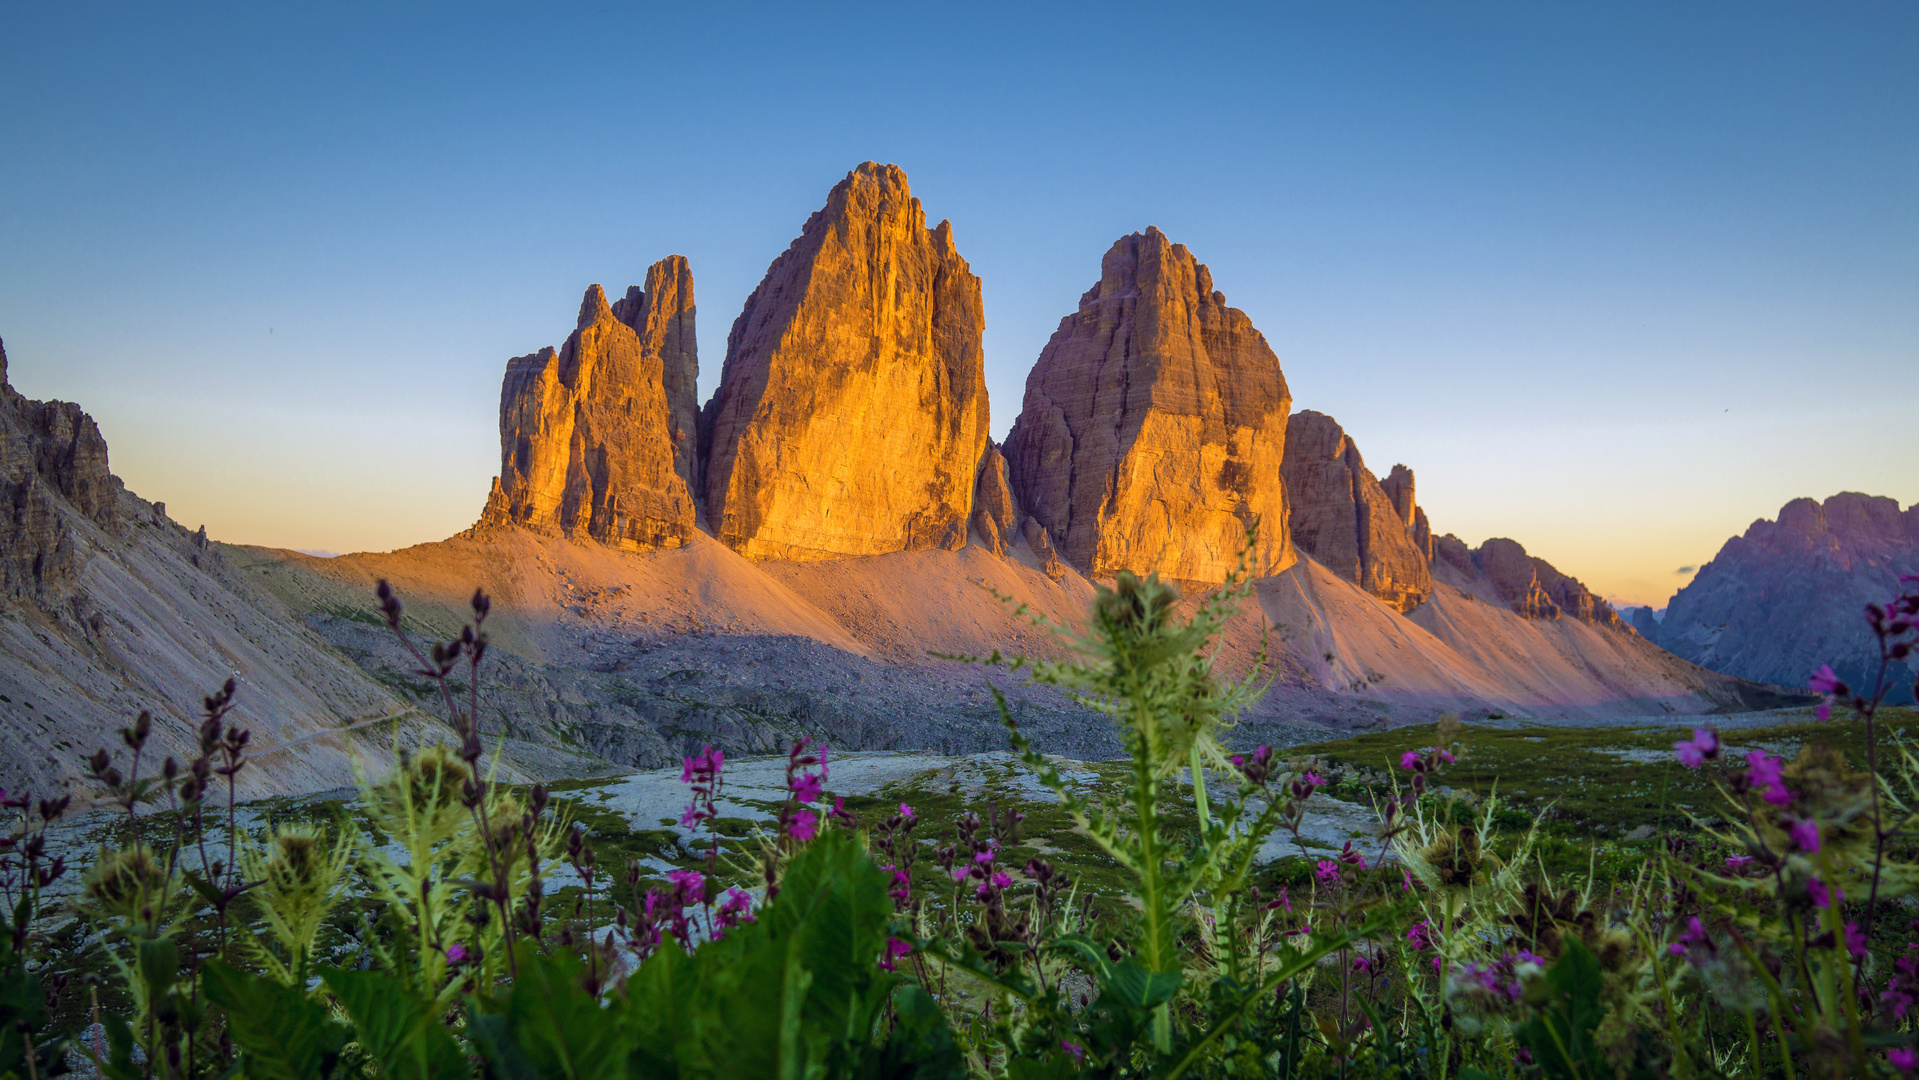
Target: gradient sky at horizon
{"points": [[1614, 280]]}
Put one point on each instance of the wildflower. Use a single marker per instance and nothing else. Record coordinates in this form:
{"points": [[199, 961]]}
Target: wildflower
{"points": [[1737, 863], [804, 826], [1825, 681], [906, 812], [1821, 897], [1327, 871], [737, 908], [1855, 940], [703, 767], [689, 886], [456, 954], [1363, 965], [902, 886], [1805, 836], [1313, 779], [841, 814], [1902, 989], [806, 787], [1281, 902], [1766, 771], [1257, 768], [1421, 935], [1409, 760], [1694, 936], [1903, 1058], [1408, 887], [1001, 881], [895, 950], [1703, 745], [1073, 1048]]}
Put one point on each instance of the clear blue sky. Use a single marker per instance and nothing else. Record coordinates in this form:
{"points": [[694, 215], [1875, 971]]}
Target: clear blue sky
{"points": [[1614, 279]]}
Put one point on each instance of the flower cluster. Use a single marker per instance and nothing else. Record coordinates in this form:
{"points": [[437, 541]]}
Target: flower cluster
{"points": [[1696, 751], [1424, 763], [702, 774], [798, 823]]}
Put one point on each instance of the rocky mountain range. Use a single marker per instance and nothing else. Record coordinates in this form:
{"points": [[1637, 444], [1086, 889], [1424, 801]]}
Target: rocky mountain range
{"points": [[805, 552], [1790, 595]]}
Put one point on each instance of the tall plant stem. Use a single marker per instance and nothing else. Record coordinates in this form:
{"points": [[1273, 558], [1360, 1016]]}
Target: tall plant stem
{"points": [[1878, 828]]}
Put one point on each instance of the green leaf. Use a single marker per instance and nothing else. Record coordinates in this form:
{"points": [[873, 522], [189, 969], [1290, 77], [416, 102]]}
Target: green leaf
{"points": [[563, 1032], [159, 965], [284, 1034], [395, 1027], [208, 890], [1560, 1036], [1132, 985], [920, 1046]]}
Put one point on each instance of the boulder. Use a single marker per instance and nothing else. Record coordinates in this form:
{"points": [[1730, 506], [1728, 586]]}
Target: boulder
{"points": [[851, 414], [1347, 520], [1153, 424], [600, 437]]}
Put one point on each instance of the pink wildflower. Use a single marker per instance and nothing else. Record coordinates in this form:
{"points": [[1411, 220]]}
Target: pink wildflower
{"points": [[1694, 752], [1855, 940], [906, 812], [1738, 862], [1315, 780], [1073, 1048], [456, 954], [1766, 771], [1421, 935], [1327, 871], [1001, 881], [690, 886], [1805, 836], [895, 950], [1903, 1058], [804, 826], [1409, 760], [1821, 896], [1826, 681], [806, 787]]}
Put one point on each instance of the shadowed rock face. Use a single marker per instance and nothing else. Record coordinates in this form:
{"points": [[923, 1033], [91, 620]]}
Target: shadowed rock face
{"points": [[49, 451], [1532, 587], [851, 414], [1347, 520], [1153, 425], [995, 516], [1790, 594], [601, 437]]}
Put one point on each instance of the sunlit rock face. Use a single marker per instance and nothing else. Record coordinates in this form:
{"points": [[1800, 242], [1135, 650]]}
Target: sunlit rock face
{"points": [[1790, 594], [1154, 422], [1341, 515], [851, 414], [51, 456], [601, 437]]}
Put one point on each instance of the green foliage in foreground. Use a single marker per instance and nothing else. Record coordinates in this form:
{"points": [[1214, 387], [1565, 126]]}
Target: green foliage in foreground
{"points": [[1761, 937]]}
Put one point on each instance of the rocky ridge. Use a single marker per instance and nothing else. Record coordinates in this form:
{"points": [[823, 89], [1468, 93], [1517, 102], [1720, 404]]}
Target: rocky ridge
{"points": [[1151, 435], [1789, 594]]}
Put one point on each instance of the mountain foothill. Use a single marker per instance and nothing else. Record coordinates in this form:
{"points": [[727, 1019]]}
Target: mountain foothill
{"points": [[816, 548]]}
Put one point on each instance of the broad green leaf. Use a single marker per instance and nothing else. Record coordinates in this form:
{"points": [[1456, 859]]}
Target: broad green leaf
{"points": [[159, 965], [562, 1030], [396, 1028], [284, 1034]]}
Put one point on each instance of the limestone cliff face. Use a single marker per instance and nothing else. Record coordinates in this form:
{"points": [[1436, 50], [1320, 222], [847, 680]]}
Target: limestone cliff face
{"points": [[1347, 520], [51, 458], [851, 413], [1153, 425], [1531, 586], [1789, 594], [601, 437]]}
